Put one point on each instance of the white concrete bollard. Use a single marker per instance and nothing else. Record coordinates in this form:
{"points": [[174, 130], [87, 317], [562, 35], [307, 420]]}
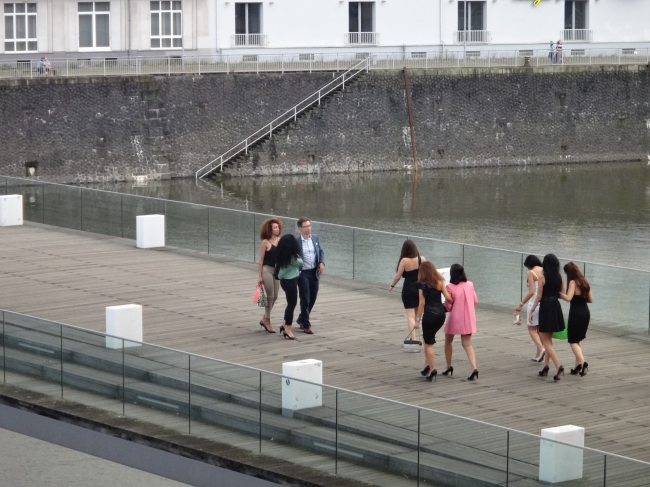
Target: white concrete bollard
{"points": [[559, 463], [11, 210], [150, 231], [124, 321], [445, 273], [298, 395]]}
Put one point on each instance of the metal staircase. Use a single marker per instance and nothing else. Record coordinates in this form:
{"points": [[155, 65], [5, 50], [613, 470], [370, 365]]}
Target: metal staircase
{"points": [[288, 116]]}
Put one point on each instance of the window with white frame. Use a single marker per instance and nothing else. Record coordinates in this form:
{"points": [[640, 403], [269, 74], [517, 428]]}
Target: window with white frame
{"points": [[166, 24], [575, 14], [248, 18], [361, 16], [471, 15], [20, 27], [94, 25]]}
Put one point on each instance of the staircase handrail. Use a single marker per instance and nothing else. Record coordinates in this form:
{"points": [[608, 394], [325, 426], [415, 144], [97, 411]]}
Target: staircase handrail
{"points": [[292, 112]]}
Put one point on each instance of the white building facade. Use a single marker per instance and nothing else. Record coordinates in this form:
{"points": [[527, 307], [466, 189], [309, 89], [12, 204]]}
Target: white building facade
{"points": [[118, 28]]}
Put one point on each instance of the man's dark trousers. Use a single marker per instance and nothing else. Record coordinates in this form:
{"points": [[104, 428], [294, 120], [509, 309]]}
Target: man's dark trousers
{"points": [[308, 287]]}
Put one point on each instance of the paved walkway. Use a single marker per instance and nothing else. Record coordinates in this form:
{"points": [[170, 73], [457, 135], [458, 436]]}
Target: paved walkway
{"points": [[202, 304]]}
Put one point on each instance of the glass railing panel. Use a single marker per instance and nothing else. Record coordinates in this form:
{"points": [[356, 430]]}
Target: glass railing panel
{"points": [[32, 192], [234, 234], [496, 275], [102, 212], [186, 226], [299, 422], [62, 206], [225, 405], [376, 255], [448, 442], [338, 245], [32, 348], [533, 461], [442, 254], [93, 370], [621, 297], [378, 434], [624, 472], [133, 206], [156, 385]]}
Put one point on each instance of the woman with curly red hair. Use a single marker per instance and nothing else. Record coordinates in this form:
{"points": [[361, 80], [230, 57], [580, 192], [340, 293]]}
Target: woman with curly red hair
{"points": [[269, 235]]}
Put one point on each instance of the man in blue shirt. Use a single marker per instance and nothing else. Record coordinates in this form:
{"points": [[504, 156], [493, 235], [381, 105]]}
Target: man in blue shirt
{"points": [[313, 258]]}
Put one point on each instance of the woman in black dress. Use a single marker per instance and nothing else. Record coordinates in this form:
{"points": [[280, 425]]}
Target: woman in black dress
{"points": [[431, 286], [551, 319], [578, 293], [408, 267]]}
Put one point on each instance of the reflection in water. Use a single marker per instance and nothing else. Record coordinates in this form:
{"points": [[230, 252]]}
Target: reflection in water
{"points": [[594, 212]]}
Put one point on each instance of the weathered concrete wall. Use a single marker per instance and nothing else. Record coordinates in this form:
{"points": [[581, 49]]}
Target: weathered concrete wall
{"points": [[98, 129], [469, 118], [103, 129]]}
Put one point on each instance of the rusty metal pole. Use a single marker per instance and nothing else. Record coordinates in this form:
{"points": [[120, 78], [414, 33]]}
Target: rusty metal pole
{"points": [[408, 106]]}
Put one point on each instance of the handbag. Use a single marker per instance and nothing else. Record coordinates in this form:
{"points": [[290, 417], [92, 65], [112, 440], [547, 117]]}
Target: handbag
{"points": [[260, 297], [412, 346], [517, 320], [562, 335]]}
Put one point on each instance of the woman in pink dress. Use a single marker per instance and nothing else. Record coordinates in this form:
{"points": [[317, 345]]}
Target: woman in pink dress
{"points": [[462, 318]]}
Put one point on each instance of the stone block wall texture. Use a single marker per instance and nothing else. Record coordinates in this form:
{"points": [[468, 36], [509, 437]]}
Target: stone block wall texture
{"points": [[468, 118], [105, 129]]}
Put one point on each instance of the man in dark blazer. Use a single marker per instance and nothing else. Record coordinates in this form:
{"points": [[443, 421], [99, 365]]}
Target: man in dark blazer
{"points": [[313, 258]]}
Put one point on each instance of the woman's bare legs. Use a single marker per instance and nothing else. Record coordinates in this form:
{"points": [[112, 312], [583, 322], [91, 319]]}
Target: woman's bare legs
{"points": [[547, 341], [534, 335], [410, 320], [466, 341], [428, 356], [448, 348], [577, 351]]}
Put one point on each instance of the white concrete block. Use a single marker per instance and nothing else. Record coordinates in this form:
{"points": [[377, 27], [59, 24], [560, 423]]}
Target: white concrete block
{"points": [[124, 322], [298, 395], [11, 210], [150, 231], [559, 463], [445, 273]]}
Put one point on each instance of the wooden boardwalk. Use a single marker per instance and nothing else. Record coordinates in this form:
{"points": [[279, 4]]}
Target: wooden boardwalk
{"points": [[202, 304]]}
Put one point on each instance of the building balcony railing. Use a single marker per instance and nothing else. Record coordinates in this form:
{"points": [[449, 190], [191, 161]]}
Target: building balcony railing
{"points": [[244, 40], [473, 37], [577, 35], [361, 39]]}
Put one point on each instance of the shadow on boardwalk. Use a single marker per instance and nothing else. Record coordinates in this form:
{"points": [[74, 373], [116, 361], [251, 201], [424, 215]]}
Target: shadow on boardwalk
{"points": [[202, 304]]}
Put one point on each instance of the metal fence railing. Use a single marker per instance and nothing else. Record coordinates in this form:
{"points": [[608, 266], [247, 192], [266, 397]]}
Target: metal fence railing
{"points": [[463, 57], [621, 295], [343, 433]]}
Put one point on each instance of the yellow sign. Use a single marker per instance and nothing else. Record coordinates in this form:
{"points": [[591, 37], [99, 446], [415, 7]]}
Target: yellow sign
{"points": [[536, 2]]}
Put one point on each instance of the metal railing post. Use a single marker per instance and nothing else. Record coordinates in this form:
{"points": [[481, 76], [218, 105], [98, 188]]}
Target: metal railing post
{"points": [[353, 255], [169, 66], [605, 471], [295, 112], [337, 62], [507, 458], [282, 63], [104, 66], [61, 353], [521, 279], [318, 97], [67, 71], [123, 382], [189, 394], [336, 451], [4, 351], [199, 65], [260, 438], [418, 481]]}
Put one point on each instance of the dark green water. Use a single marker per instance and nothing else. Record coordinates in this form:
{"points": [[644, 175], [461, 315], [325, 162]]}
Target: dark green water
{"points": [[594, 212]]}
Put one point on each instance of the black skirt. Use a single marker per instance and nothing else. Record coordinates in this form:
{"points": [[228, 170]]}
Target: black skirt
{"points": [[551, 318], [578, 322], [432, 321]]}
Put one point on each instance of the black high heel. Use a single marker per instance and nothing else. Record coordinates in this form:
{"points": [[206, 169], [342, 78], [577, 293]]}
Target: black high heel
{"points": [[474, 375], [577, 370], [284, 334], [264, 326], [585, 366], [432, 375], [449, 371], [544, 372], [559, 371], [425, 371]]}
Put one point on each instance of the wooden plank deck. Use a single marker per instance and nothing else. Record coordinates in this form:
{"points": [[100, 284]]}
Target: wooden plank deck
{"points": [[202, 304]]}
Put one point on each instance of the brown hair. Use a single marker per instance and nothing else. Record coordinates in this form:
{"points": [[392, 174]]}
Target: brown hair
{"points": [[409, 251], [266, 230], [429, 274], [302, 220], [573, 274]]}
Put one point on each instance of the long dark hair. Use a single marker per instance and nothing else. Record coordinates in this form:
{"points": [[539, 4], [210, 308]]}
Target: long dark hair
{"points": [[532, 261], [409, 251], [573, 274], [551, 268], [287, 250], [457, 274], [429, 274]]}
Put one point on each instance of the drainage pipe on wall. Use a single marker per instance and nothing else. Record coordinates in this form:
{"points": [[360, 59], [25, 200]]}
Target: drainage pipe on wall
{"points": [[410, 111]]}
